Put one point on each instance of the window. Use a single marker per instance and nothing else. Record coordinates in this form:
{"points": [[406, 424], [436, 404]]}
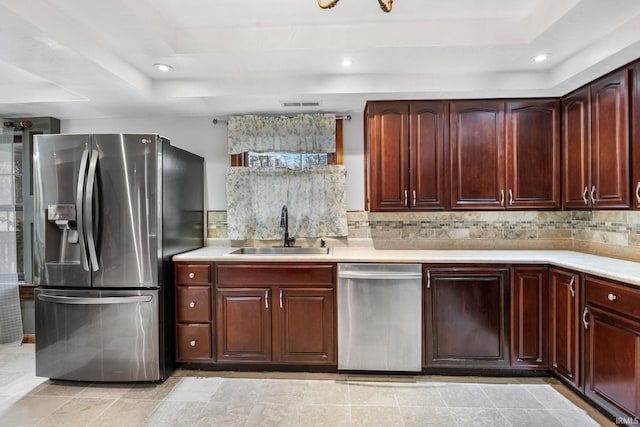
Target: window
{"points": [[16, 194], [281, 161], [298, 161], [11, 208]]}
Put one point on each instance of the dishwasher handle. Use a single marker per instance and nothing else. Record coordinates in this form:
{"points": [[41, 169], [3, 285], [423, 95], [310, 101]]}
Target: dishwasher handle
{"points": [[379, 275]]}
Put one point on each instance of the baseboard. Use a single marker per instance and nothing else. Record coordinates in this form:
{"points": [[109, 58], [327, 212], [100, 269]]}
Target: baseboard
{"points": [[28, 339]]}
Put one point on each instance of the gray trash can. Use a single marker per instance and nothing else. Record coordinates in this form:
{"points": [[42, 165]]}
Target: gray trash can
{"points": [[10, 316]]}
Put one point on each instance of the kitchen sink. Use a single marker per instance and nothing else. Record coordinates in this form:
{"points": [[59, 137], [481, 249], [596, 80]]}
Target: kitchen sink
{"points": [[280, 250]]}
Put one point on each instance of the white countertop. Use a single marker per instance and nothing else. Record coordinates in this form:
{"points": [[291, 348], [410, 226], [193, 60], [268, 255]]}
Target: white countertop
{"points": [[615, 269]]}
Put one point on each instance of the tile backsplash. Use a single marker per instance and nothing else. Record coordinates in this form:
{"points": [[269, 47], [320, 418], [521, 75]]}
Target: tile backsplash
{"points": [[609, 233]]}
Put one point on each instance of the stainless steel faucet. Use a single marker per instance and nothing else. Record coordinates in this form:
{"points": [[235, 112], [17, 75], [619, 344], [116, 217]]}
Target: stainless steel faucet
{"points": [[284, 223]]}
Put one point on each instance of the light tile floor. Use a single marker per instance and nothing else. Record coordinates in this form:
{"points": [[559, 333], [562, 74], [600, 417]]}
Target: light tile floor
{"points": [[204, 398]]}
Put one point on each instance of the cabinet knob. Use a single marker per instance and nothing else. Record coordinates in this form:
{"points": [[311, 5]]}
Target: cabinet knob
{"points": [[192, 304], [192, 343], [612, 297], [192, 275]]}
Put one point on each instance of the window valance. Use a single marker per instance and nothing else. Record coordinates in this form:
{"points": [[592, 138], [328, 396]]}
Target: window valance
{"points": [[308, 133]]}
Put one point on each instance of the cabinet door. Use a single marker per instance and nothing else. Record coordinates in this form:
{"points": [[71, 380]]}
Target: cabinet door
{"points": [[427, 126], [612, 362], [243, 325], [530, 317], [610, 141], [388, 156], [635, 134], [564, 306], [477, 155], [533, 154], [466, 313], [576, 149], [306, 325]]}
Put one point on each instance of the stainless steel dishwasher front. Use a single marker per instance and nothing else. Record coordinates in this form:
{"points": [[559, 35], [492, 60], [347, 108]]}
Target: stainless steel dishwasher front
{"points": [[380, 317]]}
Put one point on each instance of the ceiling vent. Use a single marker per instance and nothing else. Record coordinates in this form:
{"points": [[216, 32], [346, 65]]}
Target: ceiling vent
{"points": [[300, 104]]}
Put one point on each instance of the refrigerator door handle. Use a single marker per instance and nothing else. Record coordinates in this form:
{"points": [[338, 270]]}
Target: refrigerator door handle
{"points": [[95, 301], [79, 212], [88, 206]]}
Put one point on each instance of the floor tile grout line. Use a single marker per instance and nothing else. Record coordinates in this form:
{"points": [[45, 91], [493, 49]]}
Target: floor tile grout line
{"points": [[101, 413]]}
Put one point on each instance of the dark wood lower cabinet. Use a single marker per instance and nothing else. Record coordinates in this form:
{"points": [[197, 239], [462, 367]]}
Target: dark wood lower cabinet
{"points": [[306, 326], [281, 319], [565, 289], [530, 317], [194, 313], [193, 342], [475, 317], [276, 325], [612, 348], [243, 325], [466, 317]]}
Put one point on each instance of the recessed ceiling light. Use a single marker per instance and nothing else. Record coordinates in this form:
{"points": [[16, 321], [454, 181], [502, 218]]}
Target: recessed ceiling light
{"points": [[541, 57], [51, 43], [163, 67], [346, 62]]}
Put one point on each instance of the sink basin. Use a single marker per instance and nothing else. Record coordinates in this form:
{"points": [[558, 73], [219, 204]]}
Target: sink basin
{"points": [[281, 251]]}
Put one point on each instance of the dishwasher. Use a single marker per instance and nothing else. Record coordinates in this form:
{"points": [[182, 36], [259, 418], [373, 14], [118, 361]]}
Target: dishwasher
{"points": [[380, 317]]}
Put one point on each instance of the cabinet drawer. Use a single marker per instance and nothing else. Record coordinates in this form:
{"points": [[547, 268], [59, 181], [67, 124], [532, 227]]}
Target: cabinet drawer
{"points": [[193, 304], [193, 274], [193, 342], [616, 297], [274, 274]]}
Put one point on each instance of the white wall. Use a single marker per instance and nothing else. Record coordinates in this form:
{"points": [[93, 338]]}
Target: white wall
{"points": [[353, 159], [200, 136]]}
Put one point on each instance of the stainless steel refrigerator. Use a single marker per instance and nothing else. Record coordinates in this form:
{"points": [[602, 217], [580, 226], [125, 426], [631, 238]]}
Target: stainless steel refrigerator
{"points": [[110, 212]]}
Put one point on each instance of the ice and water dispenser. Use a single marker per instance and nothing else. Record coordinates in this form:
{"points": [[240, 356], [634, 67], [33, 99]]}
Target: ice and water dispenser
{"points": [[62, 233], [61, 243]]}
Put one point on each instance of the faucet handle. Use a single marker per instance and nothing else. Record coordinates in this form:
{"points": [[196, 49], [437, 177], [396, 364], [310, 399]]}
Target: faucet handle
{"points": [[323, 244]]}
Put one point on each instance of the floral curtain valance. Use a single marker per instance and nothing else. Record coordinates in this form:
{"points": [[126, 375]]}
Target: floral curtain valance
{"points": [[310, 133], [315, 200]]}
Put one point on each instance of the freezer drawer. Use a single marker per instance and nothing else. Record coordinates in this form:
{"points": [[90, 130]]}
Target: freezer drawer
{"points": [[88, 335]]}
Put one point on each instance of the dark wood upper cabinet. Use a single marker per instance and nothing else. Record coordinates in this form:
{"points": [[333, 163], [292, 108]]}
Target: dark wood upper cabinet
{"points": [[533, 154], [388, 150], [406, 155], [610, 141], [427, 121], [477, 155], [596, 144], [582, 152], [635, 134], [576, 142]]}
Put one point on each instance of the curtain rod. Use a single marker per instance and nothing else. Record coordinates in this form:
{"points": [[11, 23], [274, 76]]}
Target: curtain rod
{"points": [[347, 118]]}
